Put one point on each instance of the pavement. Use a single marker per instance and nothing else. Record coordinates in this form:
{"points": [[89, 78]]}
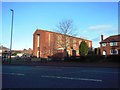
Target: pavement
{"points": [[68, 64], [21, 76]]}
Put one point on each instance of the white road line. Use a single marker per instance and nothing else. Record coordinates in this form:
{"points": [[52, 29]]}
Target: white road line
{"points": [[55, 69], [72, 78], [99, 71], [48, 69], [18, 74]]}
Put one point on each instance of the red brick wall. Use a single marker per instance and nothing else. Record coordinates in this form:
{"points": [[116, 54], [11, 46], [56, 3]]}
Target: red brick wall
{"points": [[46, 50], [107, 48]]}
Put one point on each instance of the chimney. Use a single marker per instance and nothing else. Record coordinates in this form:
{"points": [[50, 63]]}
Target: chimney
{"points": [[101, 37]]}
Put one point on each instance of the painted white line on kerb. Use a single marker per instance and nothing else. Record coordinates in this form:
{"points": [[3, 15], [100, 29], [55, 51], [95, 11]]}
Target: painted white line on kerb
{"points": [[71, 78], [19, 74]]}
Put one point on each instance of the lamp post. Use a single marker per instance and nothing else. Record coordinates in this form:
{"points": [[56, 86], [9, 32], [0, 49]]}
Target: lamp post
{"points": [[11, 34]]}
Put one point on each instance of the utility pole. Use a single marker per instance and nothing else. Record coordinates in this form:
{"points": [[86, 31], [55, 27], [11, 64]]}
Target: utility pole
{"points": [[11, 34]]}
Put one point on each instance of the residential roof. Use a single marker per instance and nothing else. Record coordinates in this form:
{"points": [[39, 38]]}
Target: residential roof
{"points": [[115, 38], [3, 48], [17, 51], [29, 51]]}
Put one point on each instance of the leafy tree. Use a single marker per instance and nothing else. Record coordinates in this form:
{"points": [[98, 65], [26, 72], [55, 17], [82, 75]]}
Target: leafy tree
{"points": [[14, 54], [83, 48]]}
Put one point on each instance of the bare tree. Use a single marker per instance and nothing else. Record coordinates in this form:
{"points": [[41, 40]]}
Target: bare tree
{"points": [[66, 28]]}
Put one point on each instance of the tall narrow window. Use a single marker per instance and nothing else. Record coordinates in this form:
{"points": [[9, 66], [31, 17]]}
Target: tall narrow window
{"points": [[38, 45], [59, 41], [49, 39], [74, 43], [38, 41], [37, 54], [89, 44]]}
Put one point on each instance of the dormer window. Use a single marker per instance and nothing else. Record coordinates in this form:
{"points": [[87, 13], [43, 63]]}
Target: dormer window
{"points": [[113, 43], [103, 44]]}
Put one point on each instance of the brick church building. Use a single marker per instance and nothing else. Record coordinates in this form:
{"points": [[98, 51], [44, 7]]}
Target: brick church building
{"points": [[47, 43]]}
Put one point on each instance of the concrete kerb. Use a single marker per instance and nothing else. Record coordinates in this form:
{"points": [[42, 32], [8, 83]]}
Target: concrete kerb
{"points": [[107, 65]]}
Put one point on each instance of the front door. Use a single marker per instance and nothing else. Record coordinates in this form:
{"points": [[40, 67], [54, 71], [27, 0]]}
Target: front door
{"points": [[104, 52]]}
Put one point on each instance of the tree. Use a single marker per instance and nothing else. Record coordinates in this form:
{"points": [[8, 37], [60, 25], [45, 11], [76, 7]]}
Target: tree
{"points": [[66, 28], [83, 48], [14, 54]]}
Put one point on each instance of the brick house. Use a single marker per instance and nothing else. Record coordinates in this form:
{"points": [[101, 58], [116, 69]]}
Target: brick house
{"points": [[47, 43], [110, 45]]}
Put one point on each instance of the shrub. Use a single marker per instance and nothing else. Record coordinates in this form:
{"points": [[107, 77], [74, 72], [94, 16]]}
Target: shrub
{"points": [[113, 58], [89, 58], [83, 48]]}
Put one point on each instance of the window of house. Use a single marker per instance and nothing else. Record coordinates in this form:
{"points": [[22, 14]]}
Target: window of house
{"points": [[103, 44], [113, 43], [113, 51]]}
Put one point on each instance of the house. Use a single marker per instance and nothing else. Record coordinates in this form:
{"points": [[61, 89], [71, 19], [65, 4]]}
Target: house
{"points": [[4, 51], [18, 53], [47, 43], [28, 51], [22, 52], [110, 45]]}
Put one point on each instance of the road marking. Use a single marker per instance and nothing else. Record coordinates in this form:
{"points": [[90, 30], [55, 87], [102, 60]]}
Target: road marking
{"points": [[18, 74], [72, 78], [51, 69], [55, 69], [99, 71]]}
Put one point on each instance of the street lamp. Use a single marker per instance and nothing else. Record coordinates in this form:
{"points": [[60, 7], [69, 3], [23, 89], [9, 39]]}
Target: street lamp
{"points": [[11, 34]]}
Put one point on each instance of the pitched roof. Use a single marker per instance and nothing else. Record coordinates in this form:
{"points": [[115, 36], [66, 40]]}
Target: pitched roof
{"points": [[115, 38], [3, 48]]}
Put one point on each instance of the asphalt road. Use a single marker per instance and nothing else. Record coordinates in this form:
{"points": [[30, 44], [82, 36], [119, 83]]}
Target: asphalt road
{"points": [[59, 77]]}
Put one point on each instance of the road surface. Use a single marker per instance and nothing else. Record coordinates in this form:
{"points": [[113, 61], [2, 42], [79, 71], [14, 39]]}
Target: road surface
{"points": [[59, 77]]}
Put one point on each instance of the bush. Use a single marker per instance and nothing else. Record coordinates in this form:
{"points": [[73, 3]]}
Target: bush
{"points": [[96, 58], [43, 60], [89, 58], [56, 59], [113, 58], [83, 49]]}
